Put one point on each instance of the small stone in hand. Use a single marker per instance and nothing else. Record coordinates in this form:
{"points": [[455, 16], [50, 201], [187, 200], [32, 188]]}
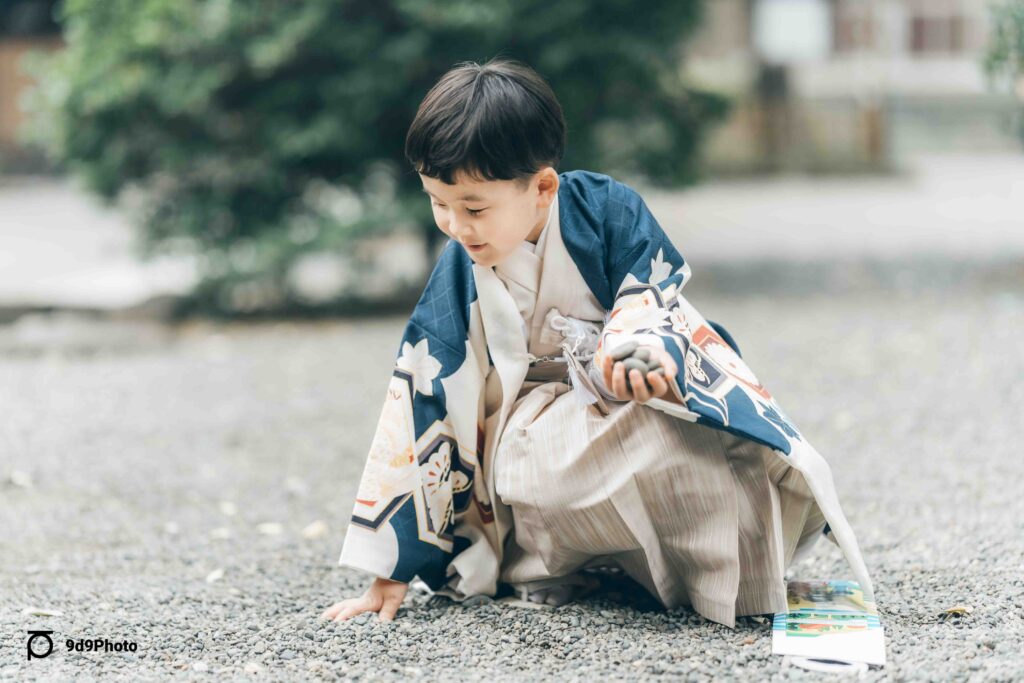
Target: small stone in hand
{"points": [[624, 350], [638, 359], [633, 363]]}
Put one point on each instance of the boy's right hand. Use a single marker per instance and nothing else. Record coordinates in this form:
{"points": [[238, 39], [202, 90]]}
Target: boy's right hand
{"points": [[384, 596], [632, 385]]}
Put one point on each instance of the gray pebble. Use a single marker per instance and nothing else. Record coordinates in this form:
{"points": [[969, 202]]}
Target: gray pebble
{"points": [[624, 350], [634, 364]]}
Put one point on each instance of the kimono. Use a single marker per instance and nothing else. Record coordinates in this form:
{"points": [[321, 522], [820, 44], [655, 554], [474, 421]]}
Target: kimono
{"points": [[427, 505]]}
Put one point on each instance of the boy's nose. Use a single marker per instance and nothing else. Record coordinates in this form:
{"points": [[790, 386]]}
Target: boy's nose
{"points": [[460, 232]]}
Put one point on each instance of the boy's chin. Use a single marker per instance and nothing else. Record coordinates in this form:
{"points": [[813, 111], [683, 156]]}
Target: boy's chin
{"points": [[486, 258]]}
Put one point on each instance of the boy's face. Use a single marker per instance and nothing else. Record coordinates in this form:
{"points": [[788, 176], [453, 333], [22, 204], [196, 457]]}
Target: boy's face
{"points": [[497, 215]]}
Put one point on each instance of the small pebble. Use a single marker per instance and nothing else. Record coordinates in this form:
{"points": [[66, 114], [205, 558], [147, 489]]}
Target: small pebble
{"points": [[624, 350], [315, 529], [633, 364]]}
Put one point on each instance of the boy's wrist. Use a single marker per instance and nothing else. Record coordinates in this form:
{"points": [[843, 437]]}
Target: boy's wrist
{"points": [[388, 581], [672, 395]]}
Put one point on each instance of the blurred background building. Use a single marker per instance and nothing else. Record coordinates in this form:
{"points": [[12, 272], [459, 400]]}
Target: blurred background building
{"points": [[865, 82], [868, 82]]}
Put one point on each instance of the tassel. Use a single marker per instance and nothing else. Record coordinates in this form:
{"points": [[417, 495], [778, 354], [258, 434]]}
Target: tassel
{"points": [[582, 388]]}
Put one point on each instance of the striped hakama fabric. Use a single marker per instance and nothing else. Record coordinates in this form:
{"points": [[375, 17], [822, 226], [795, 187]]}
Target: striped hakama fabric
{"points": [[695, 515]]}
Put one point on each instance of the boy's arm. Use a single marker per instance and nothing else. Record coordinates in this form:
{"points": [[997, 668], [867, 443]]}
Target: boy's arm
{"points": [[646, 276], [412, 485], [671, 403]]}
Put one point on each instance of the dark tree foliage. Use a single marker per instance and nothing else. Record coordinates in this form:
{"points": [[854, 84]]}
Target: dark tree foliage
{"points": [[28, 18], [249, 132]]}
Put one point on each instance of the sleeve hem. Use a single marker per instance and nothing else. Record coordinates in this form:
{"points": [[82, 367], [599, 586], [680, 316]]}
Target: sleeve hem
{"points": [[673, 409], [370, 572], [367, 559]]}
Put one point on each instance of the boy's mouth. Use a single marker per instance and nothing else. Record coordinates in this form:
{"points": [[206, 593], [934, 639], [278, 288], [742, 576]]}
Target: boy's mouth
{"points": [[476, 247]]}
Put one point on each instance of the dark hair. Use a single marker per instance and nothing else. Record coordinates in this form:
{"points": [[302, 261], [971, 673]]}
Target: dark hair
{"points": [[499, 121]]}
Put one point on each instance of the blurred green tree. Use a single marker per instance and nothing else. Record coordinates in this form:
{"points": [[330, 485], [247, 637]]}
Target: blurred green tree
{"points": [[1004, 58], [251, 132]]}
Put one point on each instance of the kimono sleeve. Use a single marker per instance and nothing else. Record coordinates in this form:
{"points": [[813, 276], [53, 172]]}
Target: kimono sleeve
{"points": [[414, 482], [714, 385]]}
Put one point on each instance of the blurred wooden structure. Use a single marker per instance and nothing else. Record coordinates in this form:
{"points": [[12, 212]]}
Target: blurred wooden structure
{"points": [[901, 77], [25, 26]]}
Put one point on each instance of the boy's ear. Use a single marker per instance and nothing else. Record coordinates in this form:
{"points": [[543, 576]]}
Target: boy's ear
{"points": [[547, 186]]}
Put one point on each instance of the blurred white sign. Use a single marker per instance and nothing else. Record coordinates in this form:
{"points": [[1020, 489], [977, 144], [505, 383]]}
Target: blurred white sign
{"points": [[787, 31]]}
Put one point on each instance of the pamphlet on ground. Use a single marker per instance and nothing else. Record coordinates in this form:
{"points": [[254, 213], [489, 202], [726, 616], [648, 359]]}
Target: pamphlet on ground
{"points": [[830, 621]]}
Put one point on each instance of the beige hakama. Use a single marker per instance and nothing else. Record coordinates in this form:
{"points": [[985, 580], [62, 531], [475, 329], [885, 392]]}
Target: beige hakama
{"points": [[697, 516]]}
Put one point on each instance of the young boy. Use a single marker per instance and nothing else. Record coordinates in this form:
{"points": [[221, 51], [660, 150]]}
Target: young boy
{"points": [[514, 448]]}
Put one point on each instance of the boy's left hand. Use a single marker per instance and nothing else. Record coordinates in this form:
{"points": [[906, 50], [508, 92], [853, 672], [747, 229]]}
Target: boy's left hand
{"points": [[615, 378]]}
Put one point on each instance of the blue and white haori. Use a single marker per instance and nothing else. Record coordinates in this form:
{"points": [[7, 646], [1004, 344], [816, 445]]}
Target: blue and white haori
{"points": [[425, 506]]}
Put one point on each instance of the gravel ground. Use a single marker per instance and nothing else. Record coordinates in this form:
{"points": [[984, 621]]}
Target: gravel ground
{"points": [[187, 489]]}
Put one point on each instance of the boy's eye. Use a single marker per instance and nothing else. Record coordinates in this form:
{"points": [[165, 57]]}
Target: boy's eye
{"points": [[472, 212]]}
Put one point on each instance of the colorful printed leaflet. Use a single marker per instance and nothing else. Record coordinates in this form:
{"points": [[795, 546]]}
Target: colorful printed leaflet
{"points": [[829, 620]]}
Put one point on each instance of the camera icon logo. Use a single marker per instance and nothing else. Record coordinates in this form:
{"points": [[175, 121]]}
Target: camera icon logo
{"points": [[32, 636]]}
